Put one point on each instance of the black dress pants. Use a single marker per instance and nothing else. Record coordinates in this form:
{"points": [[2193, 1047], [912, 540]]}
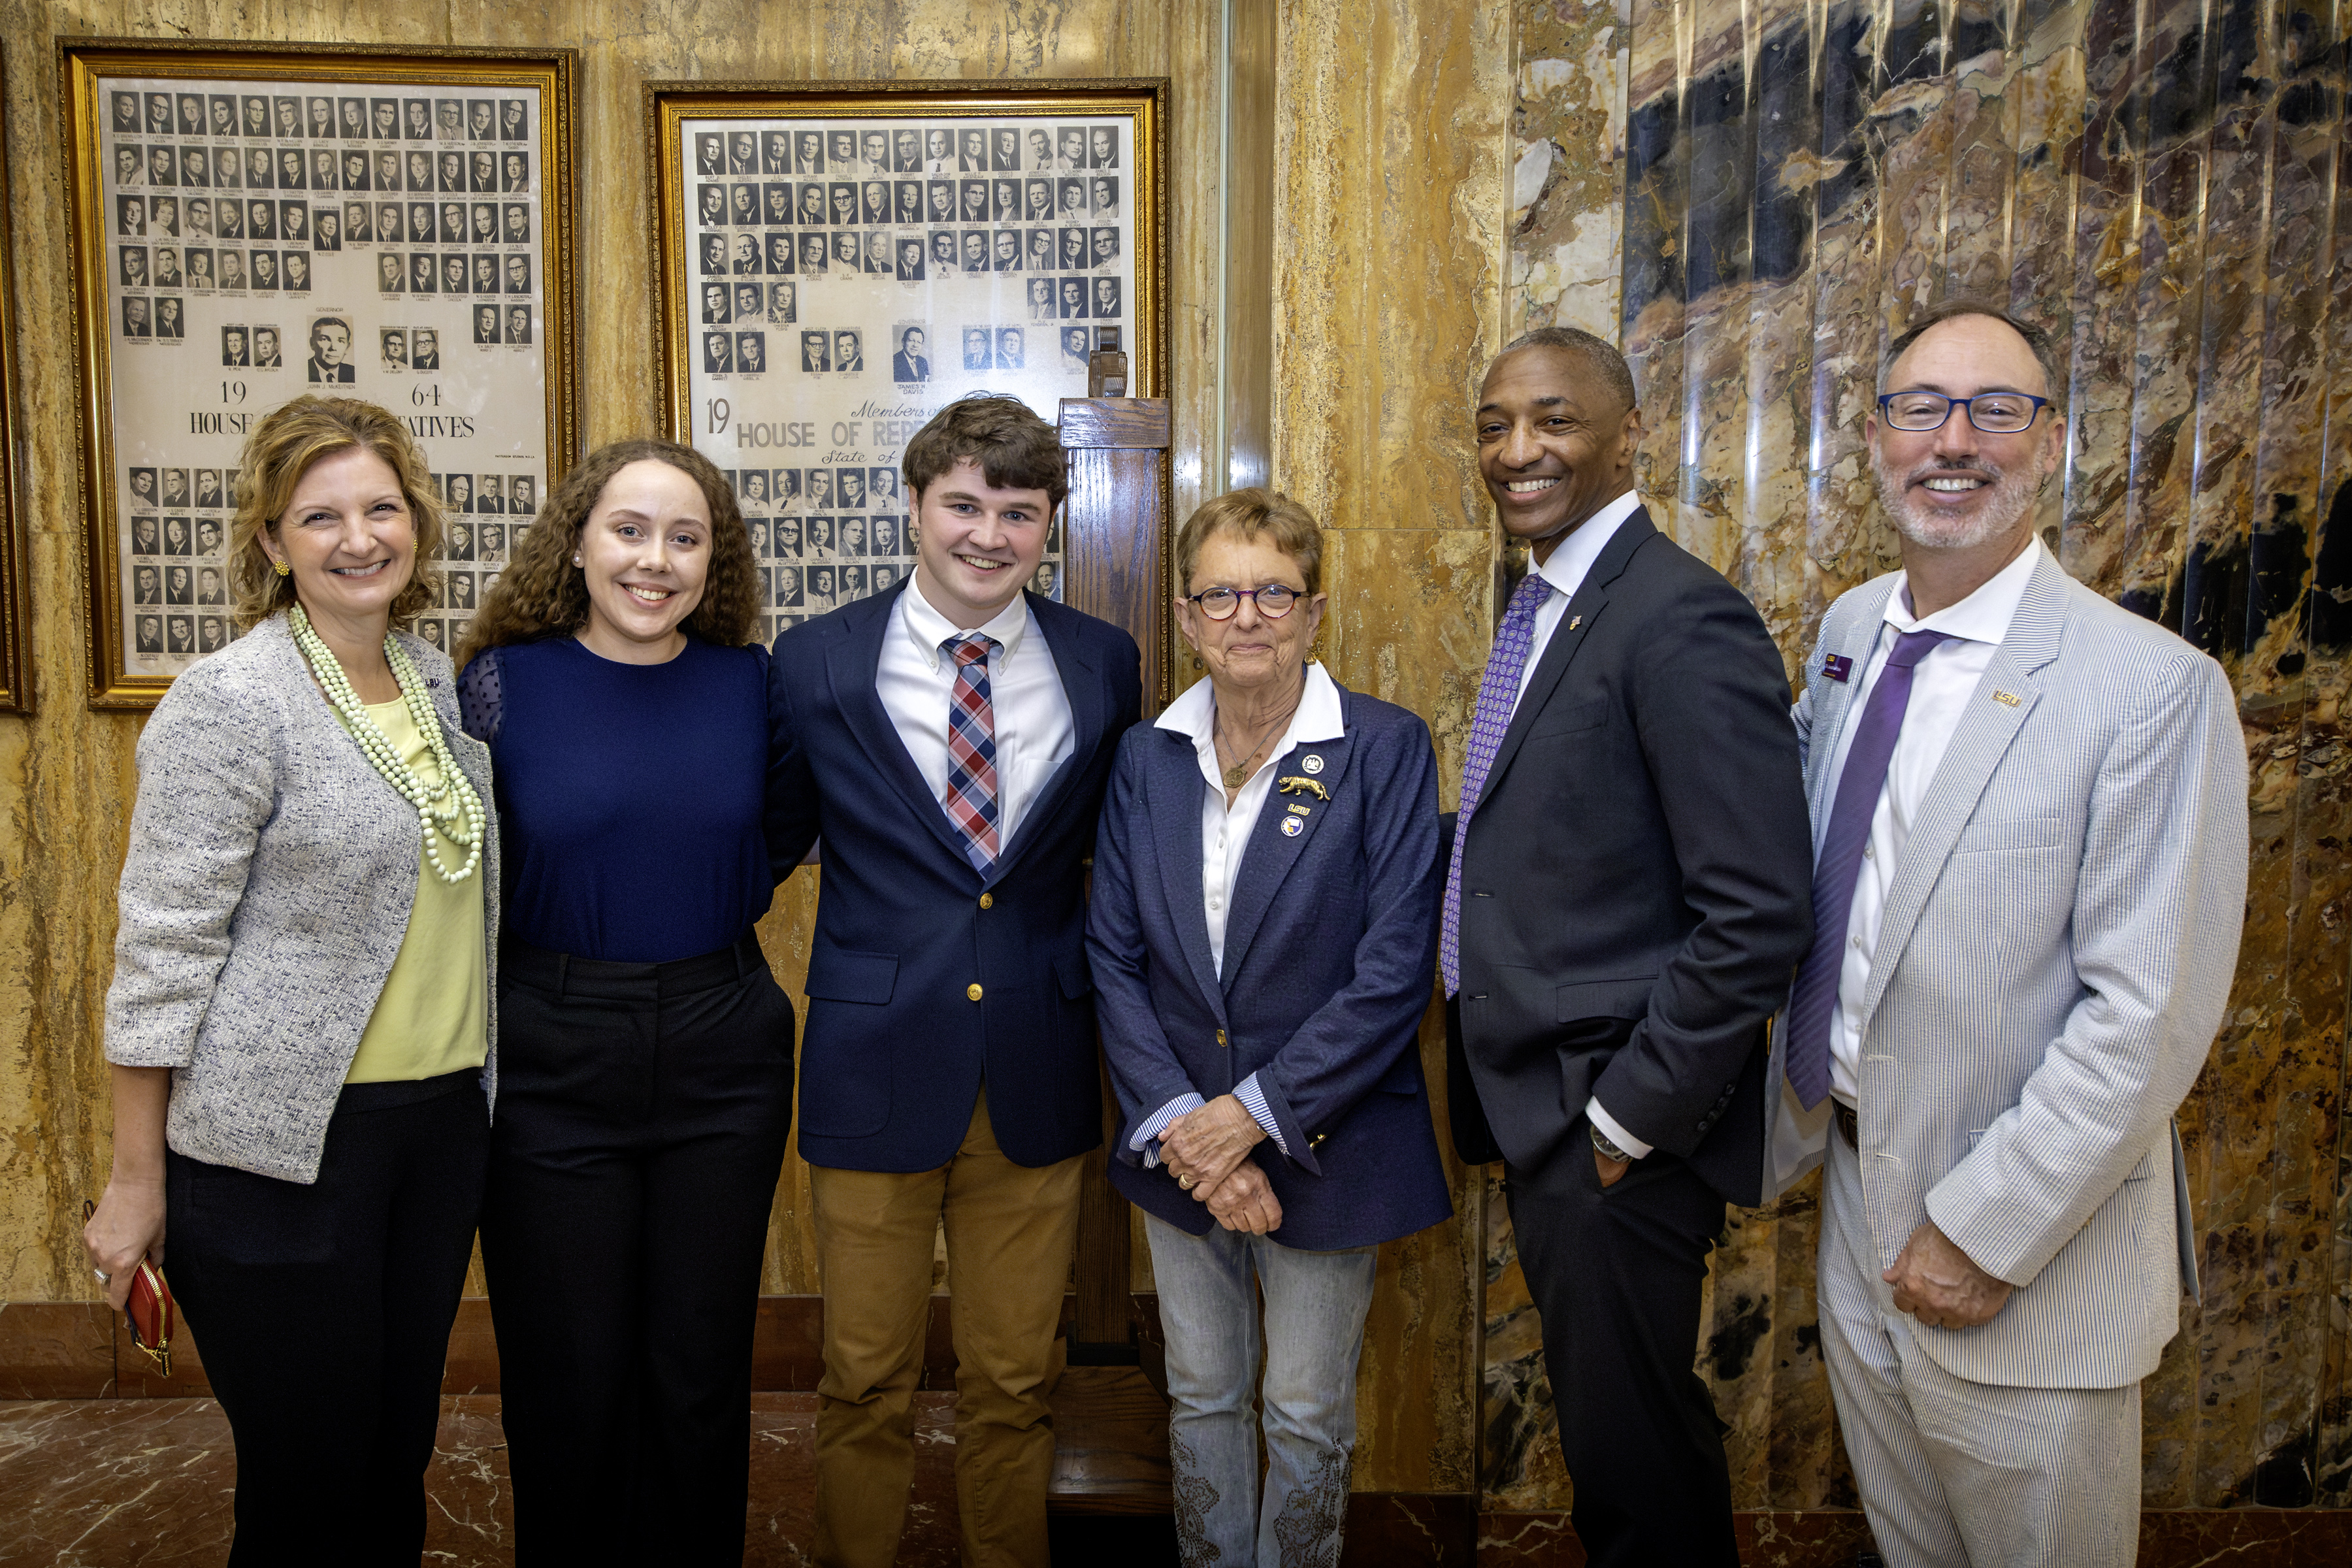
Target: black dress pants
{"points": [[323, 1313], [642, 1113], [1616, 1273]]}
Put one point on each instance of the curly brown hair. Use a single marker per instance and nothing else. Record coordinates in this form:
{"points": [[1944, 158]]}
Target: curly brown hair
{"points": [[281, 449], [541, 594]]}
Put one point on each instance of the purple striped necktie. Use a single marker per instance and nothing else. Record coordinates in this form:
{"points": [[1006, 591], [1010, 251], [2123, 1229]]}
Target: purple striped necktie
{"points": [[1812, 1005], [971, 796], [1498, 693]]}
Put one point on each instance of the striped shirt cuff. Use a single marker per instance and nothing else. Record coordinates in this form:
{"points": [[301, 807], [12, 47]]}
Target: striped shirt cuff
{"points": [[1252, 1100], [1147, 1136]]}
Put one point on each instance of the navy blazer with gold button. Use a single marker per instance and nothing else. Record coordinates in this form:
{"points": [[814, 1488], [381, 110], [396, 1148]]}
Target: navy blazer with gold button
{"points": [[925, 977], [1330, 949]]}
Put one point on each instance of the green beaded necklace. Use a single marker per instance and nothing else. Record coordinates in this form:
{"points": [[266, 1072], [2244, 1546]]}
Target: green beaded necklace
{"points": [[452, 809]]}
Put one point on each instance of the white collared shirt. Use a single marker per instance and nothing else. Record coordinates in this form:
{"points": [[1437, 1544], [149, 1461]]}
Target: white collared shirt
{"points": [[1571, 562], [1941, 686], [1224, 839], [1035, 731]]}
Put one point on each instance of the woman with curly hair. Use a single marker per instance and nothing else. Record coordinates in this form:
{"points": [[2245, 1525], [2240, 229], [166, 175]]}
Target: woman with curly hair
{"points": [[648, 1052], [298, 1024]]}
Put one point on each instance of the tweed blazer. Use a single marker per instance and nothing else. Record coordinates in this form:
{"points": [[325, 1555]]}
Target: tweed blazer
{"points": [[2055, 959], [266, 892]]}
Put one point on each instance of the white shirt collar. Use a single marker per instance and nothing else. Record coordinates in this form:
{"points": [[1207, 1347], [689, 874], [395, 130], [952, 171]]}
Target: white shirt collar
{"points": [[927, 628], [1575, 554], [1194, 714], [1984, 615]]}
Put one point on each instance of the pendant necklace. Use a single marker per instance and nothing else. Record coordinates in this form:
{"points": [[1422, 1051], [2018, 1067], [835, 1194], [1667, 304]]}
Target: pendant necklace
{"points": [[1238, 774]]}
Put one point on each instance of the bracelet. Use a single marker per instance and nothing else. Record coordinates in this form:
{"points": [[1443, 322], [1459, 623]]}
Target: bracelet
{"points": [[1608, 1150]]}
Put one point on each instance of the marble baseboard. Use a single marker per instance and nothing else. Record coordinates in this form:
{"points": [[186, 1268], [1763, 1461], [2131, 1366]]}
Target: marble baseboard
{"points": [[1830, 1538], [78, 1350]]}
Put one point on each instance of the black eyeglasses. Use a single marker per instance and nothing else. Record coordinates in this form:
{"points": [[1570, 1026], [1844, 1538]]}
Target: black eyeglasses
{"points": [[1994, 413], [1273, 601]]}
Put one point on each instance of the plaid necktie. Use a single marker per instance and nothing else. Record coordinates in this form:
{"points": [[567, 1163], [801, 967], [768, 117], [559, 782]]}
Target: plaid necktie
{"points": [[1498, 693], [971, 802], [1813, 1003]]}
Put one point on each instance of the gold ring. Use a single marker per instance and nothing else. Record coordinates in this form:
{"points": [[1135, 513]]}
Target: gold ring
{"points": [[1185, 1183]]}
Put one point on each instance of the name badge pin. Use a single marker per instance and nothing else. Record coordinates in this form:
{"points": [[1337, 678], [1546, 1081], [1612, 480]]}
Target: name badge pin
{"points": [[1297, 809]]}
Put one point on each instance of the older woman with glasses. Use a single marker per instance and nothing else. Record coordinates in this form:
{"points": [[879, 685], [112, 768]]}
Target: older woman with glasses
{"points": [[1264, 933]]}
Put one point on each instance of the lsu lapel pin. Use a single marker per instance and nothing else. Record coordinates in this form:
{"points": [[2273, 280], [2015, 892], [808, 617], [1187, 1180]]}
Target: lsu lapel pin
{"points": [[2007, 698], [1838, 668], [1292, 784], [1297, 809]]}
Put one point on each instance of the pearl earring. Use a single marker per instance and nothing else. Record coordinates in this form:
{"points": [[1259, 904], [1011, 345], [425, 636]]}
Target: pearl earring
{"points": [[575, 561]]}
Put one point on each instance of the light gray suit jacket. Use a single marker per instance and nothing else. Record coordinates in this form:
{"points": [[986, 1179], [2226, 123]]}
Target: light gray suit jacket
{"points": [[266, 892], [2054, 960]]}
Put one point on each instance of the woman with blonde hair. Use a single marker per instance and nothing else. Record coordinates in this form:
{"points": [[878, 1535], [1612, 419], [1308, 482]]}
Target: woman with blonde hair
{"points": [[299, 1026], [647, 1051]]}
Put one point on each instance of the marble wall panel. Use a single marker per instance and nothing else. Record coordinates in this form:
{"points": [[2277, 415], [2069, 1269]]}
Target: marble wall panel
{"points": [[1392, 202], [2160, 186]]}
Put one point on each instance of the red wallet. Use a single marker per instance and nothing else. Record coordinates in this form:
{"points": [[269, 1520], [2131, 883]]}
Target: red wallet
{"points": [[149, 1309]]}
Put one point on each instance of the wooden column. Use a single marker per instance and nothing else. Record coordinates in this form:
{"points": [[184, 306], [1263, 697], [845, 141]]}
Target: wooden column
{"points": [[1110, 1424]]}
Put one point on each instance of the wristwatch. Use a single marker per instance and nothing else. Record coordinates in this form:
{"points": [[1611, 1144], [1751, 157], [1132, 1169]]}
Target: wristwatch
{"points": [[1609, 1151]]}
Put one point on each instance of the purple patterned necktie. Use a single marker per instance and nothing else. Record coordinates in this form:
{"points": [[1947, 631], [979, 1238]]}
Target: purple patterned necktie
{"points": [[1814, 1002], [1498, 693]]}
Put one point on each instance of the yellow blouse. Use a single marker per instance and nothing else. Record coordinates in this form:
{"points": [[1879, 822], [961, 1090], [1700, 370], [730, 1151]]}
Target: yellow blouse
{"points": [[432, 1015]]}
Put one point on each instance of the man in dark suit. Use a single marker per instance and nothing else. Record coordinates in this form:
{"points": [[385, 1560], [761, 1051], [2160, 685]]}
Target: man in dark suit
{"points": [[910, 364], [1630, 891], [953, 740]]}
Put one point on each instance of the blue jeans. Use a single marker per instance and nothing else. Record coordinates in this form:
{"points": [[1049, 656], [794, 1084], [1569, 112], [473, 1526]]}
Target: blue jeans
{"points": [[1315, 1307]]}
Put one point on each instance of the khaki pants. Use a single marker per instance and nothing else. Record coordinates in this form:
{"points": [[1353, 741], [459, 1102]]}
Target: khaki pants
{"points": [[1010, 1231]]}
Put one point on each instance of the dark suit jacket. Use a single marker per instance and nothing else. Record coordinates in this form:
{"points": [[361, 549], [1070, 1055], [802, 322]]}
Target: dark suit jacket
{"points": [[904, 368], [895, 1048], [1637, 887], [1329, 944]]}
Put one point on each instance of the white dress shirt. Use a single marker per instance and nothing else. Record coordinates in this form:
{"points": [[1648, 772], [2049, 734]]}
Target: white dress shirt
{"points": [[1224, 839], [1571, 562], [1941, 685], [1035, 733]]}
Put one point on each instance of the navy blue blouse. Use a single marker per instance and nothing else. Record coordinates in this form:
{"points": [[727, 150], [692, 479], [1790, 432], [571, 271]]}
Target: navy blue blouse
{"points": [[629, 796]]}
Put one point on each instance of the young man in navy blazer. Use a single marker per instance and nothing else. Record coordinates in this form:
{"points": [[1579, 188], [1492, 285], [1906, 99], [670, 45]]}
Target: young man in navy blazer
{"points": [[951, 743]]}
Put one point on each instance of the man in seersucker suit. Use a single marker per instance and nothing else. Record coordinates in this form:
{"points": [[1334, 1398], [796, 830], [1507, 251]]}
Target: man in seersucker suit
{"points": [[2030, 834]]}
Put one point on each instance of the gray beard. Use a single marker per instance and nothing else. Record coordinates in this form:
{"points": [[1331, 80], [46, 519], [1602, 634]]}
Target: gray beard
{"points": [[2012, 497]]}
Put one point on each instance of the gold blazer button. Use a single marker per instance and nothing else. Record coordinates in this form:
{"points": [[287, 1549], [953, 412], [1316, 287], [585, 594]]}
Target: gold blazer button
{"points": [[1220, 1036], [972, 991], [987, 901]]}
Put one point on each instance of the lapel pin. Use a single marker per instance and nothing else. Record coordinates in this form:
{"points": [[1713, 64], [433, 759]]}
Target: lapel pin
{"points": [[1574, 622], [1312, 763], [2007, 698], [1291, 827], [1293, 784], [1298, 809], [1838, 668]]}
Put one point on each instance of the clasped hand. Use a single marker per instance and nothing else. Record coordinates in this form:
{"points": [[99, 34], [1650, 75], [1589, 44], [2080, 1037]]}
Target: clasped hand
{"points": [[1940, 1285], [1211, 1148]]}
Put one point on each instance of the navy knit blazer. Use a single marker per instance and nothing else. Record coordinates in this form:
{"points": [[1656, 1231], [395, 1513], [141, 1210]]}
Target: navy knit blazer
{"points": [[1330, 955], [925, 977]]}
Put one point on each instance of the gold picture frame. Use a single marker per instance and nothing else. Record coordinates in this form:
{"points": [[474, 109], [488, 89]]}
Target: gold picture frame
{"points": [[816, 207], [15, 633], [344, 164]]}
